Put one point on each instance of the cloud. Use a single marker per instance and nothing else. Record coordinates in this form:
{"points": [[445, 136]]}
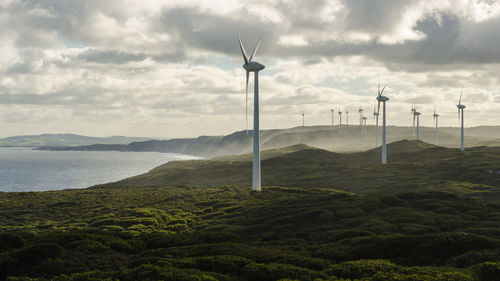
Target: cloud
{"points": [[124, 67]]}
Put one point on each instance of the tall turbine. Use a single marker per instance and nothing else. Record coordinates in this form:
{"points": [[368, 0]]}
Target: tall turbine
{"points": [[461, 107], [435, 119], [413, 110], [375, 116], [332, 115], [255, 67], [303, 119], [360, 116], [347, 117], [363, 119], [340, 122], [418, 124], [383, 99]]}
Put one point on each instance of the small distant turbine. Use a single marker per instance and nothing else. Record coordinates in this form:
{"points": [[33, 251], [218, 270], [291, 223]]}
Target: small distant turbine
{"points": [[461, 107], [303, 119], [375, 116], [340, 122], [255, 67], [435, 119], [413, 110], [347, 117], [360, 116], [332, 115], [383, 99], [418, 124], [363, 119]]}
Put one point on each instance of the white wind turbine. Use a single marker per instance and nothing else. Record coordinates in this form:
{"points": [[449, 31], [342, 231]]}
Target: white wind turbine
{"points": [[255, 67], [347, 117], [461, 107], [340, 122], [303, 119], [360, 116], [412, 113], [332, 115], [435, 119], [363, 119], [383, 99], [375, 116], [417, 114]]}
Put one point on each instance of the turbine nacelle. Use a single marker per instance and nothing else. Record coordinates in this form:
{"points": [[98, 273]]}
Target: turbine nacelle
{"points": [[460, 106], [382, 98], [253, 66], [417, 113]]}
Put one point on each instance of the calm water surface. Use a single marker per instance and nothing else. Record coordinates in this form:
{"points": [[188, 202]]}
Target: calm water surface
{"points": [[24, 169]]}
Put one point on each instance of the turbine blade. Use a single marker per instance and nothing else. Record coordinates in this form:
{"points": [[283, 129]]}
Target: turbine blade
{"points": [[382, 90], [460, 100], [246, 102], [256, 47], [243, 50]]}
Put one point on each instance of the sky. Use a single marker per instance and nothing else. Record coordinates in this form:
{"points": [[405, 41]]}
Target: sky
{"points": [[169, 69]]}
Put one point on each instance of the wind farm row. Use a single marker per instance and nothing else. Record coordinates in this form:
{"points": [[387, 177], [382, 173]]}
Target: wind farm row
{"points": [[253, 66]]}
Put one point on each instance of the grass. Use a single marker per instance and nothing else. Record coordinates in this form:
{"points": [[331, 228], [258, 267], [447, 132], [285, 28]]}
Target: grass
{"points": [[432, 214]]}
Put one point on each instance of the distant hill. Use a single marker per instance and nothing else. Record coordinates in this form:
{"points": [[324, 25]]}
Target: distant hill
{"points": [[324, 137], [413, 166], [65, 140]]}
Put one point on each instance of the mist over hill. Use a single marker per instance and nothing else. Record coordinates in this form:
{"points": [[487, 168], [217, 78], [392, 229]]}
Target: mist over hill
{"points": [[64, 140], [324, 137]]}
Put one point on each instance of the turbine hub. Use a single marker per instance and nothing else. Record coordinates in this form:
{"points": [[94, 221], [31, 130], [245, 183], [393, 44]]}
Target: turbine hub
{"points": [[460, 106], [253, 66], [382, 98]]}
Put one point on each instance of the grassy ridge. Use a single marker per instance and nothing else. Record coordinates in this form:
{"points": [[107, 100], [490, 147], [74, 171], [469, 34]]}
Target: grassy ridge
{"points": [[412, 166]]}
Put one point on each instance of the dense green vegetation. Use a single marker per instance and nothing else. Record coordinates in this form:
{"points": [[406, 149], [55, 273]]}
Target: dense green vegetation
{"points": [[382, 223]]}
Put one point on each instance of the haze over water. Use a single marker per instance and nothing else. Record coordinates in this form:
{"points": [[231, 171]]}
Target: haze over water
{"points": [[24, 169]]}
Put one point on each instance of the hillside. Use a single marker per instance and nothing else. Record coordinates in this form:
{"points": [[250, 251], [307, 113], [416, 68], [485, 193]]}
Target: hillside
{"points": [[413, 166], [324, 137], [431, 214], [64, 140]]}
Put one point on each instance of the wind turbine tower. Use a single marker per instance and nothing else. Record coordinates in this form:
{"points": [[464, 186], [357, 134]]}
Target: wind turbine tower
{"points": [[347, 117], [360, 116], [255, 67], [303, 124], [375, 116], [363, 119], [413, 110], [383, 99], [418, 124], [435, 119], [461, 107], [340, 122], [332, 115]]}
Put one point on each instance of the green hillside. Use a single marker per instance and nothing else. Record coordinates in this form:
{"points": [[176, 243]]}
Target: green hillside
{"points": [[431, 214], [413, 166]]}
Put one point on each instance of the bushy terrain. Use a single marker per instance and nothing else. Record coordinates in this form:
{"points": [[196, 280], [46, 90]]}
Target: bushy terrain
{"points": [[372, 223]]}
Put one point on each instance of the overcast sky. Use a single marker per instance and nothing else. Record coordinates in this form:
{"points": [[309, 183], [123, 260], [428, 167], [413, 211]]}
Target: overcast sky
{"points": [[173, 68]]}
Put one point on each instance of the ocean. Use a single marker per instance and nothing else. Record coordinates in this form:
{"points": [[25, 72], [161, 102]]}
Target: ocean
{"points": [[25, 169]]}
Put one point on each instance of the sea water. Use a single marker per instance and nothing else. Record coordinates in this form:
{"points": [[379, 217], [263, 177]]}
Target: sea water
{"points": [[25, 169]]}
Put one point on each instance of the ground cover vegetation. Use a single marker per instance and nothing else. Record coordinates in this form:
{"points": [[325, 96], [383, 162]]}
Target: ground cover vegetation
{"points": [[385, 224]]}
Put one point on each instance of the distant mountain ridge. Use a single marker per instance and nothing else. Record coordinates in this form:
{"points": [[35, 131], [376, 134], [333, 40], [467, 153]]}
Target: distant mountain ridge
{"points": [[324, 137], [64, 140]]}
